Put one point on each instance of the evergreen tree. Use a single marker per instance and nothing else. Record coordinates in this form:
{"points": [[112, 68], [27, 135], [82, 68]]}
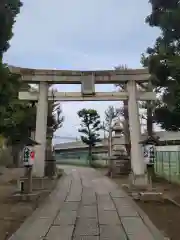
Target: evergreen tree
{"points": [[163, 61], [9, 83], [110, 115], [90, 126]]}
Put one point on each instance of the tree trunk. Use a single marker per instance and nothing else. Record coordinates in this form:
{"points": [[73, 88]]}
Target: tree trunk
{"points": [[110, 151], [110, 142], [150, 168], [90, 154], [149, 118], [16, 149], [150, 112], [50, 163]]}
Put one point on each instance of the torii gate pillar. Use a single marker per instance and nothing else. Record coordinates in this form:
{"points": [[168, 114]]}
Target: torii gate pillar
{"points": [[137, 160], [41, 130]]}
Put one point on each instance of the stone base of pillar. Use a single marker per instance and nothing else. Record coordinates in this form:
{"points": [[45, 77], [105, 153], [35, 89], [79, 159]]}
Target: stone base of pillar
{"points": [[50, 164], [121, 167], [138, 181]]}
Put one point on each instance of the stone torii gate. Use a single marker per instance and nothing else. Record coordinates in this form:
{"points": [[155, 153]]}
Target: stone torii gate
{"points": [[87, 79]]}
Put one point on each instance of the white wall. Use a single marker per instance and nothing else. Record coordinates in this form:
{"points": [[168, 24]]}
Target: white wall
{"points": [[164, 136]]}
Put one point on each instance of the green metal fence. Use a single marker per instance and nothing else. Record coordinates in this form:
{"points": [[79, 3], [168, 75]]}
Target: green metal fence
{"points": [[167, 165], [79, 159], [82, 162], [73, 161]]}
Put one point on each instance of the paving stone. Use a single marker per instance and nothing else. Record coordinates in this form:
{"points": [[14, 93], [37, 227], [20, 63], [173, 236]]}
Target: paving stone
{"points": [[103, 198], [74, 197], [66, 218], [71, 206], [88, 198], [140, 236], [127, 211], [105, 203], [76, 187], [88, 190], [118, 194], [86, 238], [76, 176], [87, 227], [136, 229], [125, 208], [112, 233], [33, 230], [75, 192], [80, 208], [108, 218], [88, 201], [60, 233], [87, 212], [122, 202], [50, 211]]}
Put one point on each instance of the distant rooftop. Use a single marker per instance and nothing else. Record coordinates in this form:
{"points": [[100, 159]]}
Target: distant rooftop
{"points": [[76, 144], [163, 136]]}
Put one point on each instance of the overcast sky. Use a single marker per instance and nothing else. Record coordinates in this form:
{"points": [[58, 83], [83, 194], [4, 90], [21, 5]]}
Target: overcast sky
{"points": [[79, 34]]}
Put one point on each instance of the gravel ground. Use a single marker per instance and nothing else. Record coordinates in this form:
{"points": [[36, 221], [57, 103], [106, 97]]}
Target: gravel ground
{"points": [[13, 213]]}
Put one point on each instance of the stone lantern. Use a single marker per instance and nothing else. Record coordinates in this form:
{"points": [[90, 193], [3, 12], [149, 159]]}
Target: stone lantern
{"points": [[121, 162]]}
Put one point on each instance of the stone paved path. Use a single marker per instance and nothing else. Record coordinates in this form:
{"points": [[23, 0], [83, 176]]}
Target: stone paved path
{"points": [[87, 206]]}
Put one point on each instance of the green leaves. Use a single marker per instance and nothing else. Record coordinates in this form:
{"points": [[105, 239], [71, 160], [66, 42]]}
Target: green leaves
{"points": [[110, 114], [8, 12], [9, 83], [55, 118], [163, 60], [90, 126], [90, 119]]}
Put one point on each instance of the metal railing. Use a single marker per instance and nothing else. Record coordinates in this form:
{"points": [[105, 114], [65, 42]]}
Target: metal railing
{"points": [[167, 165]]}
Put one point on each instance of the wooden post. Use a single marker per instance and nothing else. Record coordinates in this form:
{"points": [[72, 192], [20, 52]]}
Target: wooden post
{"points": [[28, 184]]}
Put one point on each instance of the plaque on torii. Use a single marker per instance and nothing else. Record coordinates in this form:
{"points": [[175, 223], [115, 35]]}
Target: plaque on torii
{"points": [[88, 85]]}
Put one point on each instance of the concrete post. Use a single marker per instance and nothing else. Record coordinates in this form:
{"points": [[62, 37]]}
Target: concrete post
{"points": [[41, 129], [137, 159]]}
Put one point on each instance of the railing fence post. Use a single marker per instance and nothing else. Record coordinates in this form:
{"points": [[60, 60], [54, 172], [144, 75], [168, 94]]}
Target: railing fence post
{"points": [[162, 155], [169, 160]]}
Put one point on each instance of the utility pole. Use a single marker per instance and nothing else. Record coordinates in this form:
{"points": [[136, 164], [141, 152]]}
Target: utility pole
{"points": [[150, 112], [110, 145], [110, 141]]}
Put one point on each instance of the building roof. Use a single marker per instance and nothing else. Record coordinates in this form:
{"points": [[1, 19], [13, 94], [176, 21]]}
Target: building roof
{"points": [[163, 136]]}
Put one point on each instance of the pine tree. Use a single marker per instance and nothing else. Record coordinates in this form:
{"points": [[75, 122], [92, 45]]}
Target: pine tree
{"points": [[163, 61]]}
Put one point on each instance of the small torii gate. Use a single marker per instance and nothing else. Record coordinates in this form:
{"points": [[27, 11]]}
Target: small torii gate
{"points": [[87, 79]]}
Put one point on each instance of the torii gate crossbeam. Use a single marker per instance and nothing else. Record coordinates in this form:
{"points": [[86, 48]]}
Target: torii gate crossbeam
{"points": [[98, 96]]}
